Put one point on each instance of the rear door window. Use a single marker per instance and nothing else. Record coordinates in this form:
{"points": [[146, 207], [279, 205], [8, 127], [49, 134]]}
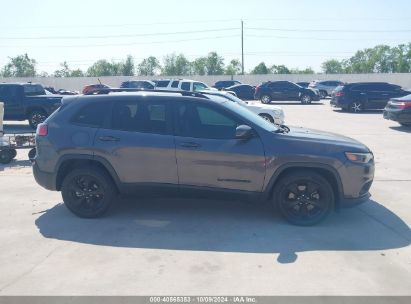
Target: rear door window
{"points": [[139, 116], [92, 115], [185, 86], [174, 84]]}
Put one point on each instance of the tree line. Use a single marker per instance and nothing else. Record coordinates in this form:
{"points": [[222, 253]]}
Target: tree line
{"points": [[379, 59]]}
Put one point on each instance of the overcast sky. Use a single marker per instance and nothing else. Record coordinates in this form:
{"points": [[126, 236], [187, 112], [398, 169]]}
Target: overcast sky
{"points": [[296, 33]]}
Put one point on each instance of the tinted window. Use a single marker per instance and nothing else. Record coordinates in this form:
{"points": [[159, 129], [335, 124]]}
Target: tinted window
{"points": [[198, 86], [10, 93], [140, 117], [185, 86], [174, 84], [162, 83], [32, 90], [203, 121], [91, 115]]}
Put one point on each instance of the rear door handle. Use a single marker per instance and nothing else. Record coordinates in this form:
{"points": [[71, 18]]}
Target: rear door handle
{"points": [[190, 145], [109, 138]]}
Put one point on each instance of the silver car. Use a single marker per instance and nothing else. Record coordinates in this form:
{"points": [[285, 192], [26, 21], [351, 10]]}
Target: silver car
{"points": [[325, 87]]}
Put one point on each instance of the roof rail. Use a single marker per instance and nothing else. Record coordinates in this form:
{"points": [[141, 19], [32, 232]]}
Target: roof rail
{"points": [[102, 91]]}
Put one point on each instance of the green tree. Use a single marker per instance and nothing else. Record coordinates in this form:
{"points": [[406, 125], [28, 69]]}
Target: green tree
{"points": [[234, 68], [214, 64], [20, 66], [199, 66], [305, 71], [279, 69], [127, 67], [149, 66], [77, 73], [332, 66], [261, 68], [176, 65], [64, 71], [102, 68]]}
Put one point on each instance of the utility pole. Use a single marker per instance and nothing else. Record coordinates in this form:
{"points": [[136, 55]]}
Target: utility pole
{"points": [[242, 47]]}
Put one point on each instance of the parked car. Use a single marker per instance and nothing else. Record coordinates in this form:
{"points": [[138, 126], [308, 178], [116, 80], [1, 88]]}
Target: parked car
{"points": [[359, 96], [27, 101], [181, 84], [303, 84], [273, 114], [129, 143], [242, 91], [93, 88], [399, 109], [51, 90], [138, 84], [222, 84], [325, 87], [285, 90]]}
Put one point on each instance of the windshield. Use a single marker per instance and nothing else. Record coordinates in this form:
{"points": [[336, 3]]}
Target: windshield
{"points": [[247, 114]]}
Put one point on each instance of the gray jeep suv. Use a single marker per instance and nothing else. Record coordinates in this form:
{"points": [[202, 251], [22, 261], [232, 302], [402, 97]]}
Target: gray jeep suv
{"points": [[95, 147]]}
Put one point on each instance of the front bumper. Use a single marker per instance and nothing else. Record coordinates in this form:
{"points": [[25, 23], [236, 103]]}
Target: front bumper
{"points": [[44, 179], [352, 202]]}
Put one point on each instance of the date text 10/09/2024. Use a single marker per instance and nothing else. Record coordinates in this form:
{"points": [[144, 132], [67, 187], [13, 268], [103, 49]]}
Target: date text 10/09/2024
{"points": [[203, 299]]}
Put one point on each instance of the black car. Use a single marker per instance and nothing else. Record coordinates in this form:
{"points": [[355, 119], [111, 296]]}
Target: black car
{"points": [[399, 109], [27, 101], [285, 90], [222, 84], [138, 84], [243, 91], [359, 96], [303, 84]]}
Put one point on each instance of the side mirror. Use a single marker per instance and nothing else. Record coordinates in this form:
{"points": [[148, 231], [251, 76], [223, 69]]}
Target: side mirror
{"points": [[244, 132]]}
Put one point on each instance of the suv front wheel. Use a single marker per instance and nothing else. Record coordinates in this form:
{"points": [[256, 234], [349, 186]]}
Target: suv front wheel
{"points": [[88, 192], [304, 198], [36, 117], [306, 99]]}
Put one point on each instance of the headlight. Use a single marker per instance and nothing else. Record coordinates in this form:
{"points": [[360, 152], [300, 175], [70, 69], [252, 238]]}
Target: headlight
{"points": [[362, 158]]}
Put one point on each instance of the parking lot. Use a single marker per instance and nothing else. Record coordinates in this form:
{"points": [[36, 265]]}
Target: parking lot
{"points": [[194, 246]]}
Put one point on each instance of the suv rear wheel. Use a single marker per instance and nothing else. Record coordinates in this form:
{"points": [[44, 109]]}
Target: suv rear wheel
{"points": [[36, 117], [304, 198], [355, 107], [88, 192], [265, 99]]}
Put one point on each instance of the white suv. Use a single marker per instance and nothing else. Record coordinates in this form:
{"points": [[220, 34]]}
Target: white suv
{"points": [[273, 114], [181, 84]]}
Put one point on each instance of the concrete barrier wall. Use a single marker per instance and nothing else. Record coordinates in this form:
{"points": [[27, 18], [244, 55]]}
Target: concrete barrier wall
{"points": [[77, 83]]}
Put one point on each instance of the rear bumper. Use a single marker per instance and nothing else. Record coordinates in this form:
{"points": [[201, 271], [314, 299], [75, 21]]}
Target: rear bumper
{"points": [[44, 179], [400, 116]]}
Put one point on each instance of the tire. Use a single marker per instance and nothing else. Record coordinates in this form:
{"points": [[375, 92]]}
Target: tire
{"points": [[32, 154], [356, 107], [306, 99], [6, 156], [36, 117], [13, 153], [265, 99], [267, 117], [88, 192], [304, 198], [323, 94]]}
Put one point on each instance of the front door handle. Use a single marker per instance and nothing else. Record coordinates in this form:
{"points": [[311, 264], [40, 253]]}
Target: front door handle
{"points": [[190, 145], [109, 138]]}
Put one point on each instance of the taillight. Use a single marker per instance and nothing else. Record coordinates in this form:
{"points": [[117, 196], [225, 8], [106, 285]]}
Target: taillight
{"points": [[42, 129], [339, 94], [401, 104]]}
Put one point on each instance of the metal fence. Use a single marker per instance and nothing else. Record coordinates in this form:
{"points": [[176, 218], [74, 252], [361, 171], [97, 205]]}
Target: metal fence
{"points": [[77, 83]]}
